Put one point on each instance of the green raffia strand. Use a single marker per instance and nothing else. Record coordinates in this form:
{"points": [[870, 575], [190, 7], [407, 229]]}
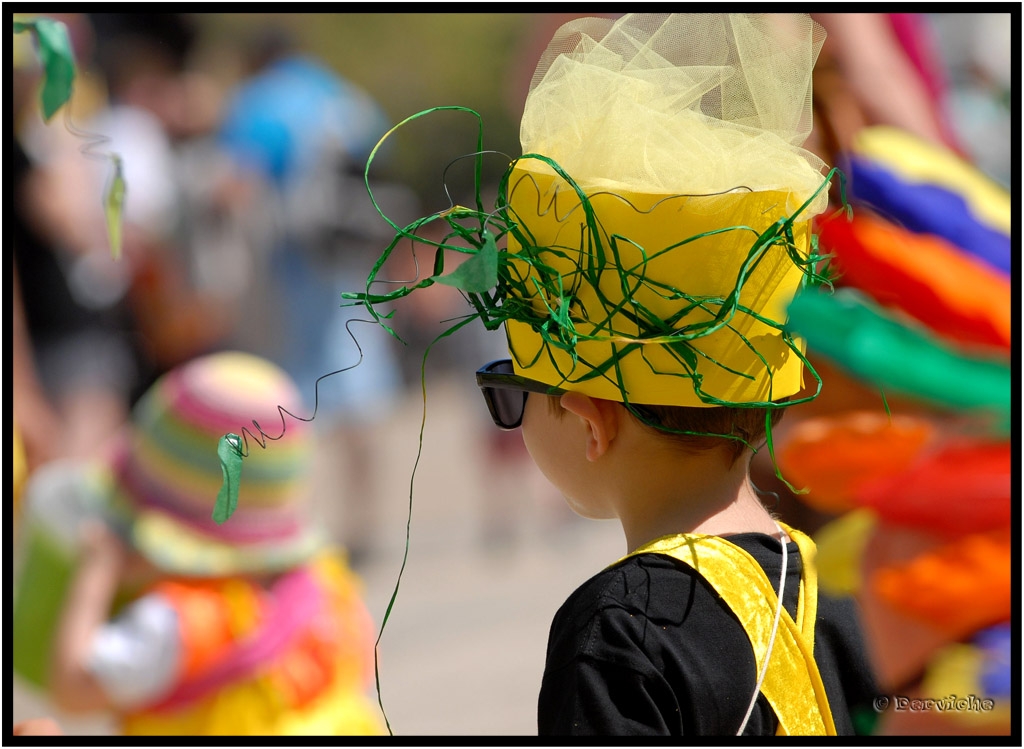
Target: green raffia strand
{"points": [[229, 450], [497, 292], [557, 322], [512, 297], [408, 522], [113, 207], [875, 347], [57, 58], [471, 281]]}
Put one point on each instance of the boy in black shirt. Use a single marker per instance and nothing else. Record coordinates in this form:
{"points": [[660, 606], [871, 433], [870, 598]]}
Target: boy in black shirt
{"points": [[662, 225]]}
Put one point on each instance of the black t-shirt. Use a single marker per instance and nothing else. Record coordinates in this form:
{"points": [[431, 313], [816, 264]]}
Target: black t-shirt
{"points": [[647, 647]]}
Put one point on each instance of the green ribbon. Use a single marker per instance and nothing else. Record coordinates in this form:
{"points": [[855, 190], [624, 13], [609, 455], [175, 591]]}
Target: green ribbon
{"points": [[498, 290], [113, 207], [479, 273]]}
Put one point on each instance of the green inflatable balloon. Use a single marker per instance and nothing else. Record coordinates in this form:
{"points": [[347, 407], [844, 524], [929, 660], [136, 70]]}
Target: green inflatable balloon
{"points": [[878, 349]]}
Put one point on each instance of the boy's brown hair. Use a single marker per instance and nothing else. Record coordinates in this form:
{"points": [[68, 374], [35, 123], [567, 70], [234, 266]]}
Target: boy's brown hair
{"points": [[745, 423]]}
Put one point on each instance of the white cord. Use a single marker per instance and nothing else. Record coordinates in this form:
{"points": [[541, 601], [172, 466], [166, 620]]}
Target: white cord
{"points": [[771, 639]]}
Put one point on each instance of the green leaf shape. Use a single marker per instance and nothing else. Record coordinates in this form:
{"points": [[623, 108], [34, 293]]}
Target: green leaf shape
{"points": [[477, 274], [230, 454], [57, 58]]}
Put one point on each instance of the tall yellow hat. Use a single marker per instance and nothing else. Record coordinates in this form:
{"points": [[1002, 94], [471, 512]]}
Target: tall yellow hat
{"points": [[662, 208]]}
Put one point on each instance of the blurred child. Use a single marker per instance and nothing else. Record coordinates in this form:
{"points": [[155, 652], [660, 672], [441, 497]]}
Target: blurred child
{"points": [[185, 627]]}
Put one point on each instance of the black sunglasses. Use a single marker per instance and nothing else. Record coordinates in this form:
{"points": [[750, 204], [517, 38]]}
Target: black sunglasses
{"points": [[505, 392]]}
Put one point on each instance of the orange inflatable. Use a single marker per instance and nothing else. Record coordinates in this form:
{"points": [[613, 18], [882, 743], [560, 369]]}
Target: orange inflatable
{"points": [[958, 588], [833, 456]]}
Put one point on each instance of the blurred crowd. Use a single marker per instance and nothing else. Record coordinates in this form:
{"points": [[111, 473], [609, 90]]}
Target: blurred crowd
{"points": [[246, 215]]}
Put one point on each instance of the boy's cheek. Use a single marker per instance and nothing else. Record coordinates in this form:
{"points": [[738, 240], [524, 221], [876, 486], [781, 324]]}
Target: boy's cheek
{"points": [[549, 445]]}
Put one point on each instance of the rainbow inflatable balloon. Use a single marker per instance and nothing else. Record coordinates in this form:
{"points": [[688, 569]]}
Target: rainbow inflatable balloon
{"points": [[922, 308]]}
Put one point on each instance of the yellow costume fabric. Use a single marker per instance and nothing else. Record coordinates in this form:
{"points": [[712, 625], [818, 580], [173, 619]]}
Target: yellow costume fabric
{"points": [[20, 470], [792, 684]]}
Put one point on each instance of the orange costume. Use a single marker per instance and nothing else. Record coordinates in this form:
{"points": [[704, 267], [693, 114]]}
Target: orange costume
{"points": [[293, 660]]}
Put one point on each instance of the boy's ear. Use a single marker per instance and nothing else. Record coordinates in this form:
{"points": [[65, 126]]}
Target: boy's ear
{"points": [[600, 417]]}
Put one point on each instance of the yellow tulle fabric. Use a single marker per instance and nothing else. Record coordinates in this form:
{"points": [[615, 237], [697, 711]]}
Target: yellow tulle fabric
{"points": [[691, 103]]}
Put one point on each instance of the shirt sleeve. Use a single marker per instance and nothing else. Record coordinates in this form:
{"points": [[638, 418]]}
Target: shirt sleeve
{"points": [[591, 697], [599, 674], [135, 657]]}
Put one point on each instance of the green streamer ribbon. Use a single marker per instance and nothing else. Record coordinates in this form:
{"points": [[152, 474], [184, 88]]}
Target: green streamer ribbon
{"points": [[479, 273], [113, 207], [498, 289]]}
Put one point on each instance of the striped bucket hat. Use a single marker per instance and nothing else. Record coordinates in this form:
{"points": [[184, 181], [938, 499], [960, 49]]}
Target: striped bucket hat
{"points": [[166, 471]]}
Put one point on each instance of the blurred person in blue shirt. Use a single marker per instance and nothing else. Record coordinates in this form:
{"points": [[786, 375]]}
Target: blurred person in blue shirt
{"points": [[304, 133]]}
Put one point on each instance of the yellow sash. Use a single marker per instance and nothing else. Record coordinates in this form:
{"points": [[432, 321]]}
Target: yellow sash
{"points": [[792, 684]]}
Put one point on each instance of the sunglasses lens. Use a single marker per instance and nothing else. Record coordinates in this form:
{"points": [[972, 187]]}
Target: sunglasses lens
{"points": [[506, 406]]}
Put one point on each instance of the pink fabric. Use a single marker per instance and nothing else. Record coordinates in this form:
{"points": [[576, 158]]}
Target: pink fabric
{"points": [[247, 525], [296, 599], [916, 40], [189, 406]]}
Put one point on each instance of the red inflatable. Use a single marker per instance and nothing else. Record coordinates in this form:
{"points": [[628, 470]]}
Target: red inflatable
{"points": [[958, 489], [925, 276]]}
